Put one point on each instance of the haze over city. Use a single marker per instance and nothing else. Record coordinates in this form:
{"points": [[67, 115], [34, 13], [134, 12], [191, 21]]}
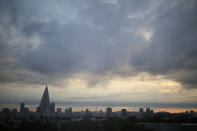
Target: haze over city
{"points": [[105, 51]]}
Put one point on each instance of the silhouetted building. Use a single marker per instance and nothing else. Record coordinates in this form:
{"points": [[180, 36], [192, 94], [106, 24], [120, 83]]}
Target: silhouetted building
{"points": [[99, 114], [6, 111], [123, 113], [45, 108], [147, 110], [88, 114], [191, 112], [52, 108], [23, 109], [141, 110], [59, 110], [14, 111], [68, 112], [108, 112]]}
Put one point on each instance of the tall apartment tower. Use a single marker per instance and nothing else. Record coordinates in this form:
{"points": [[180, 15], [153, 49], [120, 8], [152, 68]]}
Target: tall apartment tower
{"points": [[108, 112], [52, 108]]}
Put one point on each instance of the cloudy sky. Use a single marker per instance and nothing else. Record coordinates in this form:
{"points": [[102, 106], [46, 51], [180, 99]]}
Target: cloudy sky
{"points": [[99, 50]]}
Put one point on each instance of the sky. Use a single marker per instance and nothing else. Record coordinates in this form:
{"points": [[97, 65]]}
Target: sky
{"points": [[99, 50]]}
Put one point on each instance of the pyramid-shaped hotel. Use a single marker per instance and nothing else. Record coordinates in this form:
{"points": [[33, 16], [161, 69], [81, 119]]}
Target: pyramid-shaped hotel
{"points": [[46, 108]]}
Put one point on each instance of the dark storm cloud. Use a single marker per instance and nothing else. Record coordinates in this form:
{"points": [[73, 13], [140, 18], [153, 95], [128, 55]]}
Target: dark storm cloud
{"points": [[59, 38], [53, 39], [173, 50]]}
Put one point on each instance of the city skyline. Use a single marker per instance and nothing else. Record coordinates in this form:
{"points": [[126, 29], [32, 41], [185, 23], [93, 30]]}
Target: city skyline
{"points": [[99, 51], [47, 109]]}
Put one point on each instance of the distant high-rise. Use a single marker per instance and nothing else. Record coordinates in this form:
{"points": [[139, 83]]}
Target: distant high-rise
{"points": [[45, 106], [147, 110], [109, 112], [68, 111], [141, 110], [59, 110], [52, 108], [88, 114], [23, 109], [14, 110], [124, 113]]}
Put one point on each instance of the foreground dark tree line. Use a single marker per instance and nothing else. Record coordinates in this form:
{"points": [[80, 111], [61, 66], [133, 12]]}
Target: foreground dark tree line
{"points": [[111, 124]]}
